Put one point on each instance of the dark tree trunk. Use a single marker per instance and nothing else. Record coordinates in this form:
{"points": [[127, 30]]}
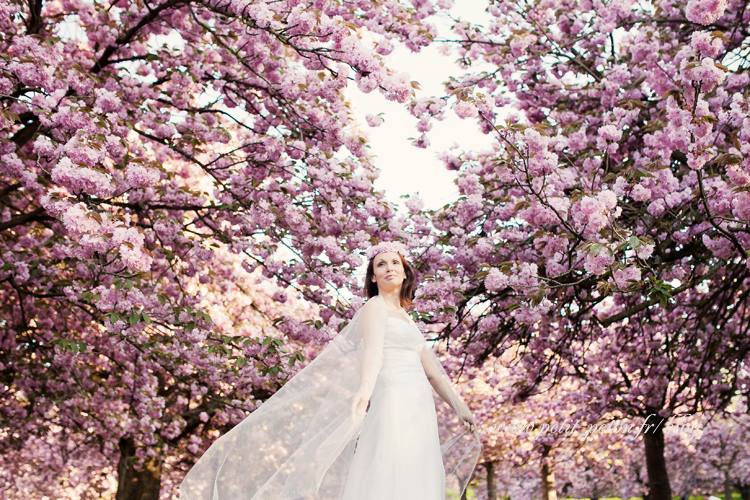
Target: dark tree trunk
{"points": [[137, 484], [745, 491], [548, 476], [727, 486], [491, 481], [658, 479]]}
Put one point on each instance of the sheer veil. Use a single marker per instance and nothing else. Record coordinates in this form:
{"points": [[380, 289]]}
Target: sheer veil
{"points": [[300, 442]]}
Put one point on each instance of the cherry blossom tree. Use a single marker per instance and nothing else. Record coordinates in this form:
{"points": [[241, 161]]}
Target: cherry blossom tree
{"points": [[175, 175], [725, 451], [605, 236], [159, 162], [132, 410]]}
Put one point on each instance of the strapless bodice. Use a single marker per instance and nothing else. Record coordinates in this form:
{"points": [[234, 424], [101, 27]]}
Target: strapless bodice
{"points": [[402, 355], [403, 342]]}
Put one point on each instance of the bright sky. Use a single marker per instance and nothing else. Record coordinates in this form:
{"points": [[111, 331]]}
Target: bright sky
{"points": [[406, 169]]}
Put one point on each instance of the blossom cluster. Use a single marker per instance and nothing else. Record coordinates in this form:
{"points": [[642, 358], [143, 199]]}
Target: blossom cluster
{"points": [[177, 178], [607, 231]]}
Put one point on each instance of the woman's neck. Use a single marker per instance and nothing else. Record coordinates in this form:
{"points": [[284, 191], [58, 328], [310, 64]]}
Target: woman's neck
{"points": [[392, 299]]}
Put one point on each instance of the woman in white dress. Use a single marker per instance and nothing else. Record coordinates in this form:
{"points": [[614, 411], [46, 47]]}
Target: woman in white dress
{"points": [[398, 453], [316, 438]]}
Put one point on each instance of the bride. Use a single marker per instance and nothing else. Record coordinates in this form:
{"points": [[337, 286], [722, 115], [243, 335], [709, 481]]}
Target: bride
{"points": [[359, 422]]}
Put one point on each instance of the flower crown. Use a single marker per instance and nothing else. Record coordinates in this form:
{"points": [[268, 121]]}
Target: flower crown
{"points": [[387, 246]]}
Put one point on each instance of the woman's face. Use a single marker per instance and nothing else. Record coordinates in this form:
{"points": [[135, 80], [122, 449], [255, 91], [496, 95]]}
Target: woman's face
{"points": [[388, 271]]}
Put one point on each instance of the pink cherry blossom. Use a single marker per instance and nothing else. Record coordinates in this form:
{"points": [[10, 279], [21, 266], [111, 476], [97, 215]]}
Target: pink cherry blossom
{"points": [[496, 280], [635, 223], [597, 263], [82, 179], [140, 176], [705, 44], [157, 162], [625, 277], [705, 11], [465, 109], [183, 181], [374, 120], [641, 193]]}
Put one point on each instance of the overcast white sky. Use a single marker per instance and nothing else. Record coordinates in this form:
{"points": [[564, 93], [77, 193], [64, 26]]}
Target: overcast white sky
{"points": [[406, 169]]}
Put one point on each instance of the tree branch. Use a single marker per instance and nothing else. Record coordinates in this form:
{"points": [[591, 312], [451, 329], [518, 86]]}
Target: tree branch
{"points": [[35, 216], [648, 303], [127, 37]]}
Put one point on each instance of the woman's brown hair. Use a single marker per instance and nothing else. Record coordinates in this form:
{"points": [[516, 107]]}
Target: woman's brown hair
{"points": [[407, 287]]}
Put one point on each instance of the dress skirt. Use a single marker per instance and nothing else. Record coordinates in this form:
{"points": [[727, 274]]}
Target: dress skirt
{"points": [[397, 455]]}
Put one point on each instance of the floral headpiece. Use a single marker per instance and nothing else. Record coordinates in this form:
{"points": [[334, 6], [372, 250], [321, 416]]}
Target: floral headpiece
{"points": [[387, 246]]}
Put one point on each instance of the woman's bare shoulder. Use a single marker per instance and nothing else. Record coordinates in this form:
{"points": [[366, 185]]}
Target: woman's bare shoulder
{"points": [[374, 305]]}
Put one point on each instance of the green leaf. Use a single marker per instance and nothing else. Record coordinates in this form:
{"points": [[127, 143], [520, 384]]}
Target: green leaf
{"points": [[481, 274], [634, 242], [637, 82], [643, 173], [671, 92], [537, 299], [660, 291], [133, 319]]}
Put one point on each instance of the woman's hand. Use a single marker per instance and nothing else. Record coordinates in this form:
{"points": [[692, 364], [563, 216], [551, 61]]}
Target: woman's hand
{"points": [[467, 420], [360, 400]]}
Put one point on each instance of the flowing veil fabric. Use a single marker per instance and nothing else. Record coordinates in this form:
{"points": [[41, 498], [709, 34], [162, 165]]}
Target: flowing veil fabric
{"points": [[299, 443]]}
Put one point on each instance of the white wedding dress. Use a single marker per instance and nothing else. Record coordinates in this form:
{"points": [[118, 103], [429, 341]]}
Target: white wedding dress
{"points": [[397, 455], [304, 443]]}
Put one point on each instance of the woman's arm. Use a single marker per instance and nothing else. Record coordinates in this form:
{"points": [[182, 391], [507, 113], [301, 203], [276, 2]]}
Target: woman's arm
{"points": [[371, 326], [443, 388]]}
